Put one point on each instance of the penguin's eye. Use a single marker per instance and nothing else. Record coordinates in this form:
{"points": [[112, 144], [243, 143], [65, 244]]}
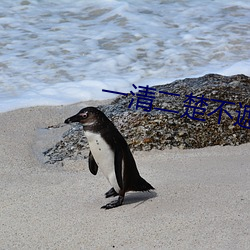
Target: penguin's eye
{"points": [[84, 115]]}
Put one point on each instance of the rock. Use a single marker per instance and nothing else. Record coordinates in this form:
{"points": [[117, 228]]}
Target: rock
{"points": [[160, 129]]}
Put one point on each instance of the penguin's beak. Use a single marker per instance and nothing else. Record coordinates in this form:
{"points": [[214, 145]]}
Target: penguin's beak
{"points": [[74, 118]]}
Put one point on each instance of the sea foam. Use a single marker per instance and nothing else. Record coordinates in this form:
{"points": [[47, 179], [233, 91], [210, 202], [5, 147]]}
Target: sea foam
{"points": [[62, 52]]}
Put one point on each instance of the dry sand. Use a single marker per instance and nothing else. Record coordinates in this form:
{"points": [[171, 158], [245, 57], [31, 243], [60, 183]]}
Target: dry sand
{"points": [[201, 201]]}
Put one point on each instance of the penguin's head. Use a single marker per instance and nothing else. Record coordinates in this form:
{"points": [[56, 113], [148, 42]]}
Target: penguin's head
{"points": [[88, 117]]}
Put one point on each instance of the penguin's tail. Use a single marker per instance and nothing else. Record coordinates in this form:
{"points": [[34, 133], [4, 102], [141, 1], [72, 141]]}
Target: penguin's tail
{"points": [[141, 185]]}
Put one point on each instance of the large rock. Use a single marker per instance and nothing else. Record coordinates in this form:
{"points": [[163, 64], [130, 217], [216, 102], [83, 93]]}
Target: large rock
{"points": [[161, 129]]}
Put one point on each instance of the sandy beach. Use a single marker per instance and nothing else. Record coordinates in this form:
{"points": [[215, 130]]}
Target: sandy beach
{"points": [[201, 198]]}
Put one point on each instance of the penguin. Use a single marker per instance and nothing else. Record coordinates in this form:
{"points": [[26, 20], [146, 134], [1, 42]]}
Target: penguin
{"points": [[110, 152]]}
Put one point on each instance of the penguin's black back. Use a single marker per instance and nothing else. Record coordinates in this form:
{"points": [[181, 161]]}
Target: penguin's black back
{"points": [[132, 180]]}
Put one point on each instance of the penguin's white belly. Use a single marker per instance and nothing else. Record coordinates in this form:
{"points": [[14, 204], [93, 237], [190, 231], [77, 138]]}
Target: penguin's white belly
{"points": [[104, 157]]}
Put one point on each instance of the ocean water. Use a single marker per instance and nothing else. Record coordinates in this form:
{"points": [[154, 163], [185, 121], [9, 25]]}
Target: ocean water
{"points": [[61, 52]]}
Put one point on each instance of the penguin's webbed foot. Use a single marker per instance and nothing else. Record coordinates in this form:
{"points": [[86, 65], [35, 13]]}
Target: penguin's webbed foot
{"points": [[113, 204], [111, 193]]}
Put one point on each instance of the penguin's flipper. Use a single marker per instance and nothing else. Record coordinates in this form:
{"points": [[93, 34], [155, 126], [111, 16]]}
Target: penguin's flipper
{"points": [[115, 203], [93, 167], [111, 193], [118, 166]]}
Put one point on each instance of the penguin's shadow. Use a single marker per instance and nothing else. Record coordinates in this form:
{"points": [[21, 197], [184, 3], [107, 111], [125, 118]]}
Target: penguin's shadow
{"points": [[137, 198]]}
